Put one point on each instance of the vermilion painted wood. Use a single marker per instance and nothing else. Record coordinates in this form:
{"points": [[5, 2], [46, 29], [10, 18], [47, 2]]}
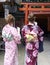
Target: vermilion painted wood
{"points": [[27, 7]]}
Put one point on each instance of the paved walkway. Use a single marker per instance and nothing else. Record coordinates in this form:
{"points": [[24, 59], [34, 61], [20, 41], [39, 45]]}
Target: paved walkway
{"points": [[43, 58]]}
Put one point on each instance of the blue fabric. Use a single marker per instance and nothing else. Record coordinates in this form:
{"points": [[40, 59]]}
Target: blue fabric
{"points": [[41, 49]]}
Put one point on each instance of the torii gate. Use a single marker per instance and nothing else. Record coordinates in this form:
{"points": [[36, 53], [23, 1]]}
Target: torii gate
{"points": [[27, 7]]}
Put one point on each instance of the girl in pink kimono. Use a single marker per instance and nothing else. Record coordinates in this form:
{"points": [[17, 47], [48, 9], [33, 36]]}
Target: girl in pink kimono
{"points": [[11, 38], [30, 33]]}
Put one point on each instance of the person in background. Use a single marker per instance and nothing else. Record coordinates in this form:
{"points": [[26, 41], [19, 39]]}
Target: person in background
{"points": [[40, 36], [41, 39], [30, 33], [11, 38]]}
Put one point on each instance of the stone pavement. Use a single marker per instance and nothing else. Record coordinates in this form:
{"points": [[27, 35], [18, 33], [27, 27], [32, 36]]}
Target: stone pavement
{"points": [[43, 58]]}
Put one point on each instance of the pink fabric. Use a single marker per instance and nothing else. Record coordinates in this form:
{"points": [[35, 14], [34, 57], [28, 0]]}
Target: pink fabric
{"points": [[31, 46], [11, 50]]}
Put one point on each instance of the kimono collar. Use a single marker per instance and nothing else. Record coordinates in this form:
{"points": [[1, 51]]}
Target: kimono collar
{"points": [[9, 25], [31, 24]]}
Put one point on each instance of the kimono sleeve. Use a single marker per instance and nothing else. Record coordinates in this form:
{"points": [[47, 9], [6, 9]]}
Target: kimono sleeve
{"points": [[18, 30], [3, 35], [23, 36], [16, 35], [40, 31], [23, 32]]}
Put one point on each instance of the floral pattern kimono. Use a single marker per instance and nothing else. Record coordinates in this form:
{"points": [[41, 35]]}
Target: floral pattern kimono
{"points": [[11, 39], [32, 46]]}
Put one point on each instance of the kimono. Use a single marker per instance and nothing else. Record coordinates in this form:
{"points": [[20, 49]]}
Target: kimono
{"points": [[31, 46], [41, 39], [11, 39]]}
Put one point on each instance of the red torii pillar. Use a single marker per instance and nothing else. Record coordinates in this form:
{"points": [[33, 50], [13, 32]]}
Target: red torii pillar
{"points": [[25, 9]]}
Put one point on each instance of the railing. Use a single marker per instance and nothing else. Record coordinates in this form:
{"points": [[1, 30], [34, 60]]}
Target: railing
{"points": [[36, 8]]}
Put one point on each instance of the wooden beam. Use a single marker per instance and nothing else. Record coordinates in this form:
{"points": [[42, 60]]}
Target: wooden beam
{"points": [[41, 12], [39, 9], [36, 3], [27, 7], [22, 9], [26, 14]]}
